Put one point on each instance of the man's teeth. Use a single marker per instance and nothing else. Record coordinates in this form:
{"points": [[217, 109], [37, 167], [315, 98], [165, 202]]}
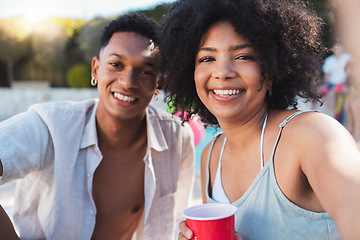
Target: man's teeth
{"points": [[226, 92], [124, 98]]}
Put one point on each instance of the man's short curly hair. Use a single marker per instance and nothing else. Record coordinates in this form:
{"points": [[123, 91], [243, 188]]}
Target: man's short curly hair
{"points": [[285, 34], [131, 22]]}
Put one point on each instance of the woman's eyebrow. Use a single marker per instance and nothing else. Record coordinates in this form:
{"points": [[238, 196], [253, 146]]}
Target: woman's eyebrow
{"points": [[239, 47], [232, 48], [207, 49]]}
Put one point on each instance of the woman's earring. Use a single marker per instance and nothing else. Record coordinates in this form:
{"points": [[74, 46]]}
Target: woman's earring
{"points": [[93, 81], [269, 92], [156, 95]]}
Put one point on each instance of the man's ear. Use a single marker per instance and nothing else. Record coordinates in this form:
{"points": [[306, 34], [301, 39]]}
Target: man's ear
{"points": [[95, 66], [161, 81]]}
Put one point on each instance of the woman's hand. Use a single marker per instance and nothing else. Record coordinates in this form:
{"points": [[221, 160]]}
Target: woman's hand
{"points": [[186, 233]]}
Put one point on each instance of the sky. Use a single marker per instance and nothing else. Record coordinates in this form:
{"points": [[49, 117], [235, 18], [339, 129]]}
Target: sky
{"points": [[81, 9]]}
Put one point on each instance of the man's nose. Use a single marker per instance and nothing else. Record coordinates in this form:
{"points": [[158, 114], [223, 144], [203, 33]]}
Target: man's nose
{"points": [[128, 79]]}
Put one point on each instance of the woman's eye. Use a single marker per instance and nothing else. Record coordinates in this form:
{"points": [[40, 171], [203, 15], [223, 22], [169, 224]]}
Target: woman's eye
{"points": [[245, 57], [206, 59]]}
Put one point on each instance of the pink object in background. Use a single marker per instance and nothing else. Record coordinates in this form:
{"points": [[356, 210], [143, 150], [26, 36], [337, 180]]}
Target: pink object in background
{"points": [[196, 126]]}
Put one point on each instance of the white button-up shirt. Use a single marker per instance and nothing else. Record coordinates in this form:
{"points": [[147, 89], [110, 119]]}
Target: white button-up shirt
{"points": [[53, 149]]}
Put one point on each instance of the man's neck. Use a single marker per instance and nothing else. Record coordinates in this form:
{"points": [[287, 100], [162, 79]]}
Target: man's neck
{"points": [[120, 133]]}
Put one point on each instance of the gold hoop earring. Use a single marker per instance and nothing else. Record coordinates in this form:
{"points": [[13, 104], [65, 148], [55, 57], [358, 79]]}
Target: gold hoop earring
{"points": [[156, 95], [93, 81]]}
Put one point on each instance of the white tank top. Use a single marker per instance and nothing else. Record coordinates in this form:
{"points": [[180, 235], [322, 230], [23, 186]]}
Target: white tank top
{"points": [[218, 193]]}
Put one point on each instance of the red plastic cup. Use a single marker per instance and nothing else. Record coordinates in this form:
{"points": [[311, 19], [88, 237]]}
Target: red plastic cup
{"points": [[211, 221]]}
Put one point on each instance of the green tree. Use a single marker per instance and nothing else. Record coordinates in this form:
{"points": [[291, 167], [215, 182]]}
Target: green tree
{"points": [[49, 43], [157, 13], [89, 37], [14, 44], [79, 76]]}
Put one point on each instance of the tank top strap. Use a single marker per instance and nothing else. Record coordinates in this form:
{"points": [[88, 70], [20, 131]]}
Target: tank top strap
{"points": [[212, 145], [283, 124], [208, 161]]}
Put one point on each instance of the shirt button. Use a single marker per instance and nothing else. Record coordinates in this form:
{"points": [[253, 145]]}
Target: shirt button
{"points": [[88, 174]]}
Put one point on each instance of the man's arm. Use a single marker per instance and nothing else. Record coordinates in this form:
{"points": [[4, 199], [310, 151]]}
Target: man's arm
{"points": [[7, 230]]}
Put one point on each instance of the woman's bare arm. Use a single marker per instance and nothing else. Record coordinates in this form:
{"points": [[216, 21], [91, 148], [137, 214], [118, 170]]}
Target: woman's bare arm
{"points": [[332, 166]]}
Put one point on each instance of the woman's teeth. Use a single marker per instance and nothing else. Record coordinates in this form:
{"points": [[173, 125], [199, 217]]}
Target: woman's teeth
{"points": [[225, 93]]}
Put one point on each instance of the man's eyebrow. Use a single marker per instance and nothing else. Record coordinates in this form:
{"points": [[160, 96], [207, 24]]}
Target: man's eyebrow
{"points": [[117, 55], [145, 63], [149, 64]]}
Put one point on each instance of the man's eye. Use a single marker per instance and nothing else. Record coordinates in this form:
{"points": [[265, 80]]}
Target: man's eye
{"points": [[117, 65], [206, 59], [146, 72]]}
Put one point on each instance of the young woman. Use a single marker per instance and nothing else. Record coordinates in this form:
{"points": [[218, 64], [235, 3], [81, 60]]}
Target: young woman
{"points": [[241, 65]]}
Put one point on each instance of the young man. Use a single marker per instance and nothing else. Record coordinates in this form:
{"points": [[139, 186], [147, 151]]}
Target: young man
{"points": [[115, 168]]}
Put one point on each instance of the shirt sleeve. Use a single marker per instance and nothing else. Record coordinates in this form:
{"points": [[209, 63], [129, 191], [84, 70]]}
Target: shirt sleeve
{"points": [[24, 145], [187, 173]]}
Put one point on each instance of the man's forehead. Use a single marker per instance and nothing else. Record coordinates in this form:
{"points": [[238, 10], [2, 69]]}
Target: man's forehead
{"points": [[151, 50], [131, 43]]}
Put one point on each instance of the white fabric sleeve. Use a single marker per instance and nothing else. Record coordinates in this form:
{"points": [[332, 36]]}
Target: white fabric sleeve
{"points": [[24, 145], [187, 173]]}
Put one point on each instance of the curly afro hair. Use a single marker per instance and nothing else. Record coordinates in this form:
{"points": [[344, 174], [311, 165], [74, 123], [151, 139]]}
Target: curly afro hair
{"points": [[285, 34], [132, 22]]}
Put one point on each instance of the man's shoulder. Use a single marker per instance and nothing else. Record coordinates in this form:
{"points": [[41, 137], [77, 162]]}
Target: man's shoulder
{"points": [[59, 107], [66, 113], [162, 115], [159, 118]]}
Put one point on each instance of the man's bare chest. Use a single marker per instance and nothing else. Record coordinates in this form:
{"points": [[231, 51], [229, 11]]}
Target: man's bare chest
{"points": [[118, 192]]}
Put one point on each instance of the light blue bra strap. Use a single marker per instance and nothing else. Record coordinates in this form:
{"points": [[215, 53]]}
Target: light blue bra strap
{"points": [[282, 125]]}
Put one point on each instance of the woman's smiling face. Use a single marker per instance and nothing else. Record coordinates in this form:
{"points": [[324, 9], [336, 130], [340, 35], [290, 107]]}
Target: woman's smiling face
{"points": [[228, 75]]}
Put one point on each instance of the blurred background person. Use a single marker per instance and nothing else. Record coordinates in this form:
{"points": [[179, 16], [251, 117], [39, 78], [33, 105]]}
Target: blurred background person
{"points": [[352, 101], [335, 77], [347, 20]]}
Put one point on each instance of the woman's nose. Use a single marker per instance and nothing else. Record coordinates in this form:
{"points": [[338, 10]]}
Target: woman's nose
{"points": [[223, 70]]}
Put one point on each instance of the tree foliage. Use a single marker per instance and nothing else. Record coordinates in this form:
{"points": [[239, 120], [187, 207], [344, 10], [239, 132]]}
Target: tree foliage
{"points": [[89, 37], [58, 44], [78, 76], [14, 44]]}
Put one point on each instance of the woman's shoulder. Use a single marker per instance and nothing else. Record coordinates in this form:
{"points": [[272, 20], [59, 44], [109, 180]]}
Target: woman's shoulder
{"points": [[213, 147], [307, 126]]}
